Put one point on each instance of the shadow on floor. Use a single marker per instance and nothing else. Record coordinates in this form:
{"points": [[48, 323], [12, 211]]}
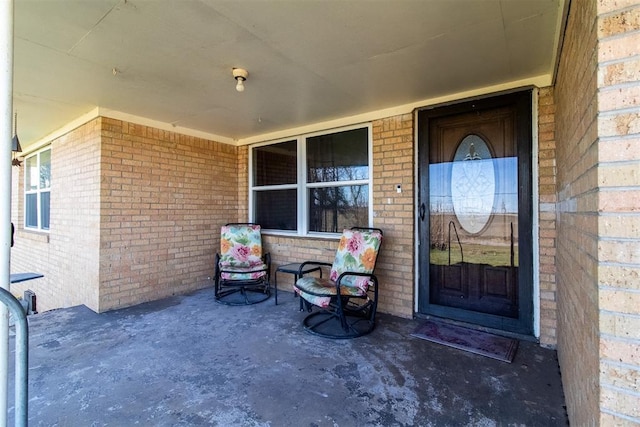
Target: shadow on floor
{"points": [[189, 361]]}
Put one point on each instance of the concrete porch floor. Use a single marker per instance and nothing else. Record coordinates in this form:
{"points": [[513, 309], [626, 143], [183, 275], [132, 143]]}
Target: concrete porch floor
{"points": [[187, 360]]}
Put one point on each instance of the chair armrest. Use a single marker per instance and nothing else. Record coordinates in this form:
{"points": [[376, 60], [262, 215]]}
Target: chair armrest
{"points": [[316, 263], [371, 276], [354, 273]]}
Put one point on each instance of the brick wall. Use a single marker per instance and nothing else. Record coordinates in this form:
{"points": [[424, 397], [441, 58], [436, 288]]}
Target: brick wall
{"points": [[577, 222], [135, 216], [597, 96], [618, 207], [393, 163], [164, 198], [547, 216], [243, 183], [577, 219], [68, 256]]}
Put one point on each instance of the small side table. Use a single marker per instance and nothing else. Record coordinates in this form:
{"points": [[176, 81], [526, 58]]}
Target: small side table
{"points": [[293, 268]]}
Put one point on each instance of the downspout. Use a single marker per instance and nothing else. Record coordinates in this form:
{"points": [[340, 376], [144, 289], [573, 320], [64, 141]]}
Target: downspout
{"points": [[6, 115]]}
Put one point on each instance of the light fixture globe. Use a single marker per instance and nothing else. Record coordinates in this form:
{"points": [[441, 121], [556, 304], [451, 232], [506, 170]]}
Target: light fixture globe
{"points": [[240, 75]]}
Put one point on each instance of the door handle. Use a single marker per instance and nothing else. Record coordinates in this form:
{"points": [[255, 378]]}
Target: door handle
{"points": [[422, 211]]}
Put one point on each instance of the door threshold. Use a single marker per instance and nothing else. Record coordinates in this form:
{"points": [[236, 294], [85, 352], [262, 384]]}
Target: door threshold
{"points": [[515, 335]]}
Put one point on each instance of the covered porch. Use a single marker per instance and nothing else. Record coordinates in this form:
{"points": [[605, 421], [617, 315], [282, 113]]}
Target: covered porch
{"points": [[185, 360], [137, 148]]}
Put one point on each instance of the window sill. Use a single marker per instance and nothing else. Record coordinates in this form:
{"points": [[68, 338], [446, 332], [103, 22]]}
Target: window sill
{"points": [[316, 236], [32, 235]]}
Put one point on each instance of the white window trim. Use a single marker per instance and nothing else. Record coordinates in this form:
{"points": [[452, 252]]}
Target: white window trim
{"points": [[38, 192], [302, 185]]}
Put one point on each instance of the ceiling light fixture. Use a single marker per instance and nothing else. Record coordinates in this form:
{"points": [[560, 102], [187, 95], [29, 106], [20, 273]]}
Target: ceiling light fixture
{"points": [[240, 75]]}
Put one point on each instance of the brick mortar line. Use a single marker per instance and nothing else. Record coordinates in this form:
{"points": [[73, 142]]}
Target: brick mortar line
{"points": [[615, 36], [618, 264], [619, 415], [613, 362], [615, 138], [615, 12], [616, 163], [611, 113], [612, 214], [611, 189], [619, 339], [619, 60], [617, 86], [628, 391], [618, 35], [577, 250], [617, 313], [562, 208], [625, 290]]}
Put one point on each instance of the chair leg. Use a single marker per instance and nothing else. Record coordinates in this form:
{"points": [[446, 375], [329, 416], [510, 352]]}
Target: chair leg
{"points": [[341, 322], [242, 293], [342, 302]]}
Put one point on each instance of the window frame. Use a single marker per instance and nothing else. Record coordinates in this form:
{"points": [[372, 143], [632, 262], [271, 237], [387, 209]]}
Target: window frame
{"points": [[302, 187], [38, 191]]}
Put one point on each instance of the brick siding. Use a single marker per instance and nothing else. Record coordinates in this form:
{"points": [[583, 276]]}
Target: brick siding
{"points": [[577, 224], [618, 183], [393, 163], [597, 96], [68, 256], [547, 216], [135, 216], [243, 183], [164, 198]]}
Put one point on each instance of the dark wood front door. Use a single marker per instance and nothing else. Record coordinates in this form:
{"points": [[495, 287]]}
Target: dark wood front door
{"points": [[475, 222]]}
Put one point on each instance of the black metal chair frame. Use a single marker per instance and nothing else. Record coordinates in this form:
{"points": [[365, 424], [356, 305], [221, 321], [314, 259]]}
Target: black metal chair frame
{"points": [[251, 291], [346, 316]]}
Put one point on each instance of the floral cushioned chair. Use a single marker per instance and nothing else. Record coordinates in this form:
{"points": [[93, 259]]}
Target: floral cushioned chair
{"points": [[348, 298], [242, 270]]}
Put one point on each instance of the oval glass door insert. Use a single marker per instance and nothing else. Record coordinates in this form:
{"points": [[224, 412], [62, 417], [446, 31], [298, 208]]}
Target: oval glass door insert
{"points": [[473, 184]]}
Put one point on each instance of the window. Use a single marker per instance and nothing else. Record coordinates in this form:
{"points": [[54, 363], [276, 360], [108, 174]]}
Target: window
{"points": [[275, 179], [312, 184], [37, 190]]}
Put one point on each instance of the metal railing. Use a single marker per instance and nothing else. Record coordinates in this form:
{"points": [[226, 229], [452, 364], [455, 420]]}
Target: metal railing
{"points": [[22, 356]]}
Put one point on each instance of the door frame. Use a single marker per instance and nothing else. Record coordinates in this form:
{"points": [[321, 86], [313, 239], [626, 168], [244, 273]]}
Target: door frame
{"points": [[523, 102]]}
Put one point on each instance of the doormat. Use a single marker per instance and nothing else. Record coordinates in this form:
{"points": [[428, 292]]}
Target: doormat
{"points": [[478, 342]]}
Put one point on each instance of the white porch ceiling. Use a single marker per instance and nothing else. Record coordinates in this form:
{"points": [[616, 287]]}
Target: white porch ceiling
{"points": [[309, 61]]}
